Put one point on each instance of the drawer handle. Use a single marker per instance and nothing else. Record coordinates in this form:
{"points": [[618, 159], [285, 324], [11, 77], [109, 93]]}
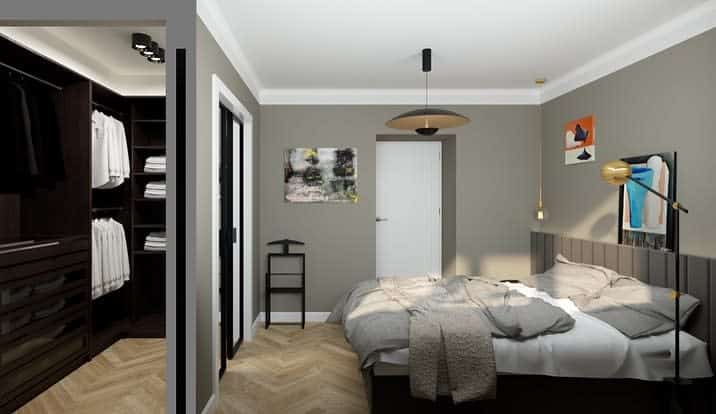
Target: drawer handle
{"points": [[34, 246]]}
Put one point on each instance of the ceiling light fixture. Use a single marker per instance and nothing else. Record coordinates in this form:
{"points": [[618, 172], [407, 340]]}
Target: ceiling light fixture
{"points": [[427, 121], [150, 50], [158, 57], [140, 41]]}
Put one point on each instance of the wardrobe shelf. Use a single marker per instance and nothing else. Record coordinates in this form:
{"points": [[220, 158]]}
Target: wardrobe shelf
{"points": [[150, 147], [149, 252], [146, 174], [150, 226]]}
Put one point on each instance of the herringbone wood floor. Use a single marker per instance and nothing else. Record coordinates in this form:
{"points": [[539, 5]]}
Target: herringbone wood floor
{"points": [[289, 370], [126, 378], [283, 370]]}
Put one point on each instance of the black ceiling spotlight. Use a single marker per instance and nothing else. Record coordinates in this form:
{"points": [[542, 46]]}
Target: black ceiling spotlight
{"points": [[150, 50], [427, 121], [157, 57], [141, 41]]}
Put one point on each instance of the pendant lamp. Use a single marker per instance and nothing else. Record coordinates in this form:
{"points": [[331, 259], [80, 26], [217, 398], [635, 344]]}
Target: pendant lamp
{"points": [[427, 121]]}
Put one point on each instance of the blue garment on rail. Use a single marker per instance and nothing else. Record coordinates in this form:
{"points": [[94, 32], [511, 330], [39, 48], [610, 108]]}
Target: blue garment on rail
{"points": [[637, 194]]}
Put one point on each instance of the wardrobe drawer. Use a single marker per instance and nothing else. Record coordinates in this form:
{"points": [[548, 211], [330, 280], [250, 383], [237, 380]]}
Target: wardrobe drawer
{"points": [[64, 350], [22, 350], [43, 266], [39, 287], [43, 249], [26, 318]]}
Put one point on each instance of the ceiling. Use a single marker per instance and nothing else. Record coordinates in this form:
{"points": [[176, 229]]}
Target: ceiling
{"points": [[101, 53], [477, 44]]}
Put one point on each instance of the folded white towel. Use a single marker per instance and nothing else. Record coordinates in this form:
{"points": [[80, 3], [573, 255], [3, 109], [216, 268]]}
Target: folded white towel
{"points": [[157, 236], [156, 185], [155, 248], [155, 196], [156, 160], [155, 170]]}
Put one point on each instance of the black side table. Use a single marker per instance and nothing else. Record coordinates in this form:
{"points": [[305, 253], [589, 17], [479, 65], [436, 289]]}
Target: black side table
{"points": [[285, 243]]}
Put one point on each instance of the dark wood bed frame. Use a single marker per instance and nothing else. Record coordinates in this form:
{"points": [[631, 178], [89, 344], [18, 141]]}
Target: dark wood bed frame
{"points": [[520, 393]]}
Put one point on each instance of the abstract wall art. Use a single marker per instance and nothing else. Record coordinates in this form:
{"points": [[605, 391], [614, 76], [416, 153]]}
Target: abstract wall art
{"points": [[580, 141], [320, 175], [645, 219]]}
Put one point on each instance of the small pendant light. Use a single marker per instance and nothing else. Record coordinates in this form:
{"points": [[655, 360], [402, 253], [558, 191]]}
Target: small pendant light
{"points": [[427, 121], [540, 213]]}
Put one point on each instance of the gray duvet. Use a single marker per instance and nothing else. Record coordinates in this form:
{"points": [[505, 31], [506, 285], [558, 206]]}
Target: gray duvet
{"points": [[446, 322], [634, 308]]}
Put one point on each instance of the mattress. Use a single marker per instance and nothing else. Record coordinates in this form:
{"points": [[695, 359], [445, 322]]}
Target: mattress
{"points": [[592, 349]]}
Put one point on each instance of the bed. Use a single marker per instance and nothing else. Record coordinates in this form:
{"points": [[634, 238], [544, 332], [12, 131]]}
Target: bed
{"points": [[590, 368]]}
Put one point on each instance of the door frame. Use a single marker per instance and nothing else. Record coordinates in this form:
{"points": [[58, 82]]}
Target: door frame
{"points": [[222, 94]]}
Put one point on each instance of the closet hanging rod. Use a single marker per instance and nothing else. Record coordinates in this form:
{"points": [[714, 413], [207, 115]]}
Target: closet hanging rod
{"points": [[107, 108], [100, 209], [27, 75]]}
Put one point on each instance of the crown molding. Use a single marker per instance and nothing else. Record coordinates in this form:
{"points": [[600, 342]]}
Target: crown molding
{"points": [[399, 96], [47, 46], [690, 24], [210, 13]]}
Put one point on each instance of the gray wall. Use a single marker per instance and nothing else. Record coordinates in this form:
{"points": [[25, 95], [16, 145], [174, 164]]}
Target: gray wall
{"points": [[211, 60], [496, 186], [663, 103]]}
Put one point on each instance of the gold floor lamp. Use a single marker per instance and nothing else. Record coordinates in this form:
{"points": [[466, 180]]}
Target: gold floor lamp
{"points": [[618, 173]]}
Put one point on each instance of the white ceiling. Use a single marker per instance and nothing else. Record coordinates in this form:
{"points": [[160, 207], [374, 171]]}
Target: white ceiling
{"points": [[477, 44], [103, 54]]}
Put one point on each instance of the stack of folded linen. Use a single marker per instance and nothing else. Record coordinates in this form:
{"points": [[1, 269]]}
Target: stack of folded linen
{"points": [[157, 164], [156, 189], [156, 241]]}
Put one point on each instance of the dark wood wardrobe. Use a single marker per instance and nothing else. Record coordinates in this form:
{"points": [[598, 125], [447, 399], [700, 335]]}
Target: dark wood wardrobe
{"points": [[49, 324]]}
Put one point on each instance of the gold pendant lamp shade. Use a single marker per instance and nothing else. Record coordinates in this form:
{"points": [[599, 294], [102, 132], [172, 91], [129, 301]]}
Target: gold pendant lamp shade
{"points": [[427, 121], [616, 172], [428, 118]]}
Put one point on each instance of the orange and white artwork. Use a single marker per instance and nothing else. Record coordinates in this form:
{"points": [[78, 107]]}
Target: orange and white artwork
{"points": [[579, 141]]}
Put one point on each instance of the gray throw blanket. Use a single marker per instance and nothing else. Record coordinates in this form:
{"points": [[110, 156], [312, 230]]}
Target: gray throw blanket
{"points": [[448, 325], [634, 308], [442, 351]]}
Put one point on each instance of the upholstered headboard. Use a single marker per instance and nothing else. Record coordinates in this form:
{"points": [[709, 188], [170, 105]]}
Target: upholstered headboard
{"points": [[698, 275]]}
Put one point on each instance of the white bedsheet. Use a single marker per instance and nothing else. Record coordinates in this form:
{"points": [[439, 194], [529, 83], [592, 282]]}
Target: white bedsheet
{"points": [[592, 349]]}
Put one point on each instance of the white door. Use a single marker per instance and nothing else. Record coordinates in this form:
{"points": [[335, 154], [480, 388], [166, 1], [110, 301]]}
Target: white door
{"points": [[409, 198]]}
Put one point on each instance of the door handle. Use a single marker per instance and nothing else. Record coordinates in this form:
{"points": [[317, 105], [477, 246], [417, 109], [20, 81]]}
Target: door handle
{"points": [[379, 219]]}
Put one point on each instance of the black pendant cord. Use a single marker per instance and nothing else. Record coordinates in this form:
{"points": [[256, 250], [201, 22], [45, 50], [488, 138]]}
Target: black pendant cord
{"points": [[426, 90]]}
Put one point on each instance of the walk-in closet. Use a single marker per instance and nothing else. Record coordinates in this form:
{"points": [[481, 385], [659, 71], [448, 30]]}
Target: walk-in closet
{"points": [[82, 211]]}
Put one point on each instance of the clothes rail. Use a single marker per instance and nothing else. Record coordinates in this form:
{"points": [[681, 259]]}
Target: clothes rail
{"points": [[27, 75], [107, 108]]}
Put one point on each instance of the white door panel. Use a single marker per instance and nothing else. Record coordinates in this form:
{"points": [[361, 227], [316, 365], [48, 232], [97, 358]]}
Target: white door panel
{"points": [[409, 198]]}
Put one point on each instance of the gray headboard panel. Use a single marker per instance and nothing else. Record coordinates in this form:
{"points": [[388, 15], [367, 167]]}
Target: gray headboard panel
{"points": [[651, 266]]}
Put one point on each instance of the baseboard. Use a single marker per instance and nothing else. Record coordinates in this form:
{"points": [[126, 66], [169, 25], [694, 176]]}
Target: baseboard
{"points": [[291, 317], [210, 406]]}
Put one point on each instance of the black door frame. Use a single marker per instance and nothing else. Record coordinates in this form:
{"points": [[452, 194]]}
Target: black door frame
{"points": [[180, 112]]}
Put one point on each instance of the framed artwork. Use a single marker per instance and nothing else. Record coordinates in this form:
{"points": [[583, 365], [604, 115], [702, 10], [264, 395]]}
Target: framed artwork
{"points": [[580, 141], [645, 219], [320, 175]]}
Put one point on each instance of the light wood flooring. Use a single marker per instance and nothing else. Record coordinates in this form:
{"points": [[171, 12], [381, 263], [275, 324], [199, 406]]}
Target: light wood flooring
{"points": [[289, 370], [283, 370], [128, 377]]}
